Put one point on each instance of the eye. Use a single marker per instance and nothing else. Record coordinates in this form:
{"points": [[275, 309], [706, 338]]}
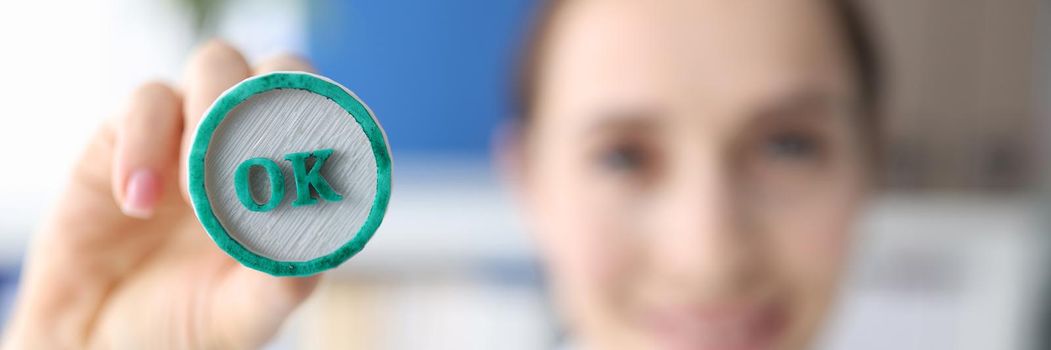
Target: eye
{"points": [[792, 145], [624, 158]]}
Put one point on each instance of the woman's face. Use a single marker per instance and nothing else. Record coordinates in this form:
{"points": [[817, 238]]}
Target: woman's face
{"points": [[692, 170]]}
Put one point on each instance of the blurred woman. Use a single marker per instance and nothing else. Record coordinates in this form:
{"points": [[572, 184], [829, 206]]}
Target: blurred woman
{"points": [[691, 169]]}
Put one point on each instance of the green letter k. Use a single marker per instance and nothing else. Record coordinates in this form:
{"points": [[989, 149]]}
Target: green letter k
{"points": [[312, 178]]}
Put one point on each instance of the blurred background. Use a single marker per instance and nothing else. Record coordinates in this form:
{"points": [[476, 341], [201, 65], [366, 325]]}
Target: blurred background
{"points": [[953, 254]]}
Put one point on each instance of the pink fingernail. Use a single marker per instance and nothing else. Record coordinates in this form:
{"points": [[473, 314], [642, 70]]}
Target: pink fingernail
{"points": [[141, 194]]}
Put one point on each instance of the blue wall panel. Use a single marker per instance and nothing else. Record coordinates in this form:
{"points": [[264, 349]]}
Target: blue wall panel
{"points": [[436, 73]]}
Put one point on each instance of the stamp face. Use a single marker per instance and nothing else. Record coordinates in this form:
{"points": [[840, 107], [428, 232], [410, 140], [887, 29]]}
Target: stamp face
{"points": [[290, 173]]}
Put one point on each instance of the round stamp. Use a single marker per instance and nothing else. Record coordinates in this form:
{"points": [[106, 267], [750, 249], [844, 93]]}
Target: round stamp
{"points": [[290, 173]]}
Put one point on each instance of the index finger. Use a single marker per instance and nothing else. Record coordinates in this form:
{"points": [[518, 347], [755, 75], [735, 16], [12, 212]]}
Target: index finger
{"points": [[212, 69], [284, 62]]}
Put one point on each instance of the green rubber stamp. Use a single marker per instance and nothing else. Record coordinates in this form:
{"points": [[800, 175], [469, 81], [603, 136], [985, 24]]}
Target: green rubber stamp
{"points": [[290, 173]]}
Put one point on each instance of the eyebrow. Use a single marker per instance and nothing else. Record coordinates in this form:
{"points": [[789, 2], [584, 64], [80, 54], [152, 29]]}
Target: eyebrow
{"points": [[800, 101], [627, 118]]}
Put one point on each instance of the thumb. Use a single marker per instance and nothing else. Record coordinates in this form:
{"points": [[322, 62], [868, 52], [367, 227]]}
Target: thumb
{"points": [[250, 306]]}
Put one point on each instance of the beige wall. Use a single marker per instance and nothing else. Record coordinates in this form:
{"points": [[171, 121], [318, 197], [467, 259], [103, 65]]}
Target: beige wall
{"points": [[960, 106]]}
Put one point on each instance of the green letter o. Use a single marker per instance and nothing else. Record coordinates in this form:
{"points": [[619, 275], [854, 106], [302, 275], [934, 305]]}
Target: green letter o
{"points": [[244, 189]]}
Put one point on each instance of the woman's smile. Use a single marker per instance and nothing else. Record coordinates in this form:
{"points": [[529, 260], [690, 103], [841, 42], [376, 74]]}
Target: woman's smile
{"points": [[726, 326]]}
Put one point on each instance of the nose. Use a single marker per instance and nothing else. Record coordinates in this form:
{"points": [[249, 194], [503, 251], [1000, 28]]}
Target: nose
{"points": [[702, 243]]}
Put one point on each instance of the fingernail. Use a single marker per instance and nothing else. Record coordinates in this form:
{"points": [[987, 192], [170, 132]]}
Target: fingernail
{"points": [[141, 194]]}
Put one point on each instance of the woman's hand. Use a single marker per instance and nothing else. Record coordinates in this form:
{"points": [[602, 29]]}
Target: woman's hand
{"points": [[122, 262]]}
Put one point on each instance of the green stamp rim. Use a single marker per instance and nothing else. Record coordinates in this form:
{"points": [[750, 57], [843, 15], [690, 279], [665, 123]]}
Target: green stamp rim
{"points": [[288, 80]]}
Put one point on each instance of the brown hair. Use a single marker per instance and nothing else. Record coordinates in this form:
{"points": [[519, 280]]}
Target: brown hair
{"points": [[857, 41]]}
